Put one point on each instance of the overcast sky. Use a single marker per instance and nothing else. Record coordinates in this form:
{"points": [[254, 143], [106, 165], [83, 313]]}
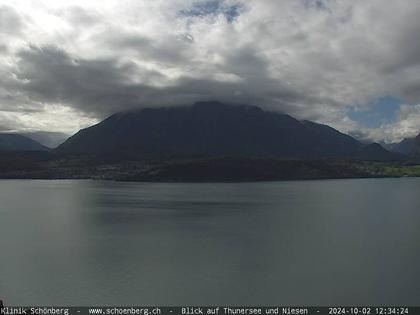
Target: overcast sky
{"points": [[355, 65]]}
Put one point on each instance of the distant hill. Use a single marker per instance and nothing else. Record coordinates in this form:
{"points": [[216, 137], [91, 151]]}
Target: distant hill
{"points": [[375, 151], [46, 138], [415, 153], [15, 142], [215, 129], [406, 146]]}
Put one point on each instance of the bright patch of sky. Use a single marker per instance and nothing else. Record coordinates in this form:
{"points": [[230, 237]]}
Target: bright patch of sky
{"points": [[213, 7], [318, 4], [380, 112]]}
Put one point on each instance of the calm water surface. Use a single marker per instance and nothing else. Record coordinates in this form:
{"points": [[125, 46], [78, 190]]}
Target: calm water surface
{"points": [[306, 243]]}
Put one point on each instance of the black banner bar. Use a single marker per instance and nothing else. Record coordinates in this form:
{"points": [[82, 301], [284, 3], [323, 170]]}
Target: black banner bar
{"points": [[209, 310]]}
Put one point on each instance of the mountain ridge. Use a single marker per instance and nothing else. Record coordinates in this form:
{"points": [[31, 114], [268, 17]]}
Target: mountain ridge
{"points": [[47, 138], [214, 129], [17, 142]]}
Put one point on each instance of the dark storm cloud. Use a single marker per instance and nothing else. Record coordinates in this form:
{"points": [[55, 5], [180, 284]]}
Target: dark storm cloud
{"points": [[402, 42], [50, 75], [4, 129], [246, 63], [170, 49]]}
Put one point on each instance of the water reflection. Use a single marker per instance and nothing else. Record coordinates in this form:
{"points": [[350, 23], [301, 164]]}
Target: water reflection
{"points": [[311, 243]]}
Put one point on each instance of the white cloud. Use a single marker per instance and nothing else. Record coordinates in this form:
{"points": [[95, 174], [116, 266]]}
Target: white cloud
{"points": [[406, 125], [51, 117]]}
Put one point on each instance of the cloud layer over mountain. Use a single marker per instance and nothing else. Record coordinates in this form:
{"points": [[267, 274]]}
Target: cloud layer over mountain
{"points": [[67, 64]]}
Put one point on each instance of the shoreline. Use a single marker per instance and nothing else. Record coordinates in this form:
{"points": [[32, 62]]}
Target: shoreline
{"points": [[198, 170], [200, 181]]}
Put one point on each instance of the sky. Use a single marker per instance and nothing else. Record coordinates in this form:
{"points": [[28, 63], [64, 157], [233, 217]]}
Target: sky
{"points": [[351, 64]]}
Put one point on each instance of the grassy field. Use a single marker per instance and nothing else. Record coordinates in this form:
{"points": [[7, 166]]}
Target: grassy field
{"points": [[389, 169]]}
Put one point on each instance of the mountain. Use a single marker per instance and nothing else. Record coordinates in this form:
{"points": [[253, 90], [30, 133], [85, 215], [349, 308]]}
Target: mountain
{"points": [[406, 146], [415, 153], [375, 151], [46, 138], [212, 129], [15, 142]]}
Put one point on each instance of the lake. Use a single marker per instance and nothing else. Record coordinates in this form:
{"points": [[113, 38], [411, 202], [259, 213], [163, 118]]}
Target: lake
{"points": [[353, 241]]}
